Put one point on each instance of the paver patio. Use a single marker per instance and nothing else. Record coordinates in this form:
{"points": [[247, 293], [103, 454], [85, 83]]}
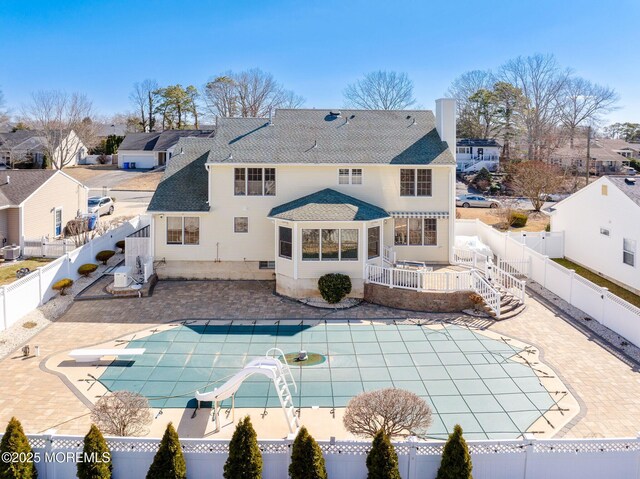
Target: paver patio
{"points": [[606, 386]]}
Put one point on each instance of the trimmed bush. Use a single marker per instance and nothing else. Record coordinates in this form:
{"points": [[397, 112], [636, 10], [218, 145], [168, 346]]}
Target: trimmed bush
{"points": [[306, 458], [62, 286], [382, 460], [168, 463], [15, 441], [334, 287], [245, 459], [456, 461], [86, 269], [120, 244], [95, 447], [105, 255], [518, 219]]}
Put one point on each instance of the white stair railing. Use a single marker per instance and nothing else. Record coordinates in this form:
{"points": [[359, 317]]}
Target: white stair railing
{"points": [[388, 255], [515, 286], [490, 295]]}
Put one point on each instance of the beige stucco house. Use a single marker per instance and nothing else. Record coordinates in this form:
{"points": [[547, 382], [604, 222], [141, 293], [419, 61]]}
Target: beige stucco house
{"points": [[37, 203], [308, 192]]}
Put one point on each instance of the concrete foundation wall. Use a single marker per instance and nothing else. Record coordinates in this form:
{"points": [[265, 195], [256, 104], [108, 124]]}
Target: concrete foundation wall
{"points": [[431, 302], [308, 287], [212, 270]]}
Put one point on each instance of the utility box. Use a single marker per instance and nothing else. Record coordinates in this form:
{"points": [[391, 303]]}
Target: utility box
{"points": [[122, 277], [11, 253]]}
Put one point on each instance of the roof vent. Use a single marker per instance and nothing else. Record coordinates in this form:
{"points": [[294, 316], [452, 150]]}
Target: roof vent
{"points": [[629, 181], [8, 179], [408, 116], [335, 113], [315, 144]]}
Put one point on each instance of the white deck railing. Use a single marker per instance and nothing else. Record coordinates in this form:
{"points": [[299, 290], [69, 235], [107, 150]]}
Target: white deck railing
{"points": [[515, 267], [472, 259], [419, 280], [490, 295], [388, 255]]}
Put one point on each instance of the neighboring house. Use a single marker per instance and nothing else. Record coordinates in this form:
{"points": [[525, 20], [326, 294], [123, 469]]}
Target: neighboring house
{"points": [[149, 150], [601, 225], [306, 193], [605, 157], [473, 154], [37, 203], [621, 147], [30, 146]]}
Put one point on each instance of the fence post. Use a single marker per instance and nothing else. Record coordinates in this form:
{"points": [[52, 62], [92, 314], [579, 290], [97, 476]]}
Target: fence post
{"points": [[605, 297], [412, 470], [40, 287], [49, 466], [4, 307], [544, 277], [391, 278], [529, 446], [572, 275]]}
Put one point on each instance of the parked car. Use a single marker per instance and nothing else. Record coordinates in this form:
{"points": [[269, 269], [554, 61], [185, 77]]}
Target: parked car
{"points": [[101, 205], [476, 201]]}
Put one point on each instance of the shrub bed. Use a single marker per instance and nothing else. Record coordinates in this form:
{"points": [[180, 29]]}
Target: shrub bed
{"points": [[334, 287], [105, 255]]}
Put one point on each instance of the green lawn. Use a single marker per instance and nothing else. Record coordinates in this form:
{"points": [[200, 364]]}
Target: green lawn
{"points": [[8, 270], [600, 281]]}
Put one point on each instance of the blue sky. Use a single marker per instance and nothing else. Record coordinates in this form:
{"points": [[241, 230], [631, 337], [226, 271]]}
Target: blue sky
{"points": [[313, 47]]}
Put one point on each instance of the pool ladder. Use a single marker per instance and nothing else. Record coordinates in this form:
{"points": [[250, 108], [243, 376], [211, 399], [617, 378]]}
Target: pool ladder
{"points": [[282, 388]]}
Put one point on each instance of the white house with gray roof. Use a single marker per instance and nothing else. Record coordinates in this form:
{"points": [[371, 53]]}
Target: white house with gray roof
{"points": [[308, 192], [601, 225], [149, 150]]}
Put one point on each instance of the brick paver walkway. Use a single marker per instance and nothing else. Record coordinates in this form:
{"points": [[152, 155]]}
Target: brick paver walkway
{"points": [[606, 385]]}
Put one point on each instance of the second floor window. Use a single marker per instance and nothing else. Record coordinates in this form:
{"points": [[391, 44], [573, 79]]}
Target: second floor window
{"points": [[350, 176], [416, 182], [254, 181]]}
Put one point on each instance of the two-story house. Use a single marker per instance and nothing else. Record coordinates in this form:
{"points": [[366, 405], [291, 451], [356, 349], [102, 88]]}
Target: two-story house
{"points": [[473, 154], [308, 192]]}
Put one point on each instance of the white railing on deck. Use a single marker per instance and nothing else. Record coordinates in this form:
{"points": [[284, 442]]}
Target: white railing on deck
{"points": [[419, 280], [515, 267], [469, 258]]}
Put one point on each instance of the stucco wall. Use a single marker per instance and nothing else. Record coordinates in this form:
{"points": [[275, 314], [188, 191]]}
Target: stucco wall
{"points": [[212, 270], [58, 191], [418, 301], [582, 215]]}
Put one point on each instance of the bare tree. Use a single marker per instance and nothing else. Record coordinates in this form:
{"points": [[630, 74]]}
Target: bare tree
{"points": [[122, 413], [65, 122], [463, 89], [381, 90], [535, 180], [144, 99], [251, 93], [584, 102], [541, 81], [397, 412]]}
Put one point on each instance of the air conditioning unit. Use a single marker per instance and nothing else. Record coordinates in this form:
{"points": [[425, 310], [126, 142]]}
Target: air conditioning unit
{"points": [[122, 277], [11, 253]]}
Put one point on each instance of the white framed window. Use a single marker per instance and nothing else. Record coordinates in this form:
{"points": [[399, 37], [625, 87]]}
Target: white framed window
{"points": [[415, 232], [329, 244], [286, 241], [629, 251], [241, 224], [463, 150], [605, 232], [416, 182], [57, 221], [183, 230], [254, 181], [266, 265], [349, 176]]}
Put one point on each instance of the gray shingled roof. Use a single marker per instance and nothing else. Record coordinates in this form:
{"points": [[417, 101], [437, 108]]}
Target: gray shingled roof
{"points": [[139, 142], [632, 190], [22, 184], [169, 138], [184, 185], [10, 140], [328, 205], [315, 136]]}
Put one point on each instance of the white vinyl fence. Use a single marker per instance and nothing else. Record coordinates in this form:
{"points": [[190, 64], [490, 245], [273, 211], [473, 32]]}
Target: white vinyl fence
{"points": [[509, 459], [24, 295], [47, 248], [597, 302]]}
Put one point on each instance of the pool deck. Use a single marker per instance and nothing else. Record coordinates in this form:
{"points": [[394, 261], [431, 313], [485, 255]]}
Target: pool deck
{"points": [[605, 384]]}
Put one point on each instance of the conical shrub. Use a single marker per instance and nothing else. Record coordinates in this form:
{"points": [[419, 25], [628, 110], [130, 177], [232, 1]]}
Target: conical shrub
{"points": [[306, 458], [96, 460], [245, 458], [456, 461], [168, 462], [382, 460], [15, 441]]}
